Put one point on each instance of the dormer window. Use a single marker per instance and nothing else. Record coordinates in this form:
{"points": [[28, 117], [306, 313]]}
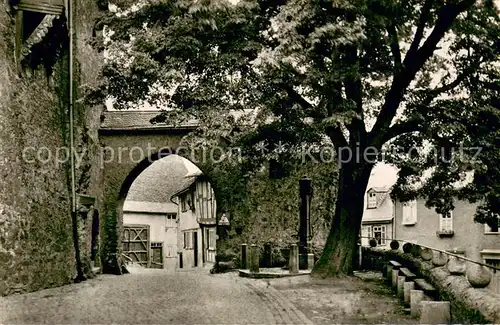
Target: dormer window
{"points": [[372, 200]]}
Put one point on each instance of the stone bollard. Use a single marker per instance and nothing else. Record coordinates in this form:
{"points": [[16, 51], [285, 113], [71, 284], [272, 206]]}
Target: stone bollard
{"points": [[408, 286], [395, 274], [294, 259], [244, 256], [400, 286], [254, 259], [435, 312], [310, 261], [416, 297], [389, 274]]}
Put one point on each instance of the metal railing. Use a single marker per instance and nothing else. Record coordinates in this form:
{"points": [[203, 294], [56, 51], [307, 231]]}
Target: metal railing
{"points": [[438, 250]]}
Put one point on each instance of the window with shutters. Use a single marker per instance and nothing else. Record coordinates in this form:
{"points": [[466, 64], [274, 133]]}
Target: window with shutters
{"points": [[171, 220], [188, 243], [446, 222], [211, 239], [409, 213]]}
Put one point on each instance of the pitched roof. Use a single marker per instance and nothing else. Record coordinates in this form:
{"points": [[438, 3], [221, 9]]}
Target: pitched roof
{"points": [[160, 181], [134, 119], [149, 207], [378, 189], [382, 178], [140, 119]]}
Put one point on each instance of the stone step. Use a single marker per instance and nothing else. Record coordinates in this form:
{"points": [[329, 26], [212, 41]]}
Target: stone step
{"points": [[407, 273], [435, 312], [426, 287], [395, 265]]}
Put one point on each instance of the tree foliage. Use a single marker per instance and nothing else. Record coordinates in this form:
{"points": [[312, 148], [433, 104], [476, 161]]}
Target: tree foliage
{"points": [[362, 74]]}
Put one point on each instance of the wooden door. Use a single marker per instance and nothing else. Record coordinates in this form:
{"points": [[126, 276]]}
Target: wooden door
{"points": [[157, 255], [209, 245], [136, 243], [170, 245]]}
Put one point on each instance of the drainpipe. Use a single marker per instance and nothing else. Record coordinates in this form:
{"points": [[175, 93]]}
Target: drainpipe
{"points": [[394, 219], [79, 269]]}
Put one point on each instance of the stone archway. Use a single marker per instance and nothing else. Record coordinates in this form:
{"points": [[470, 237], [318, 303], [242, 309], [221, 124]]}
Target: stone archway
{"points": [[130, 144]]}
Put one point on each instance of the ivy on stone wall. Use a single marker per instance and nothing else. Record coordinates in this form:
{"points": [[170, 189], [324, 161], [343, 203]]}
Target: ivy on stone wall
{"points": [[265, 210]]}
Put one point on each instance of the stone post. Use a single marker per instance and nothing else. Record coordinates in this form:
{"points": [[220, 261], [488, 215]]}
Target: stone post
{"points": [[305, 192], [400, 286], [310, 261], [254, 258], [395, 274], [244, 256], [389, 274], [408, 286], [294, 259]]}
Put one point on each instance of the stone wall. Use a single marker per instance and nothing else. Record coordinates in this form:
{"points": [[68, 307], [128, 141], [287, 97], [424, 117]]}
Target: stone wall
{"points": [[36, 236], [269, 211], [462, 283]]}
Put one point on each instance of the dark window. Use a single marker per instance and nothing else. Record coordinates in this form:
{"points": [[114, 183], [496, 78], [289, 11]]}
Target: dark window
{"points": [[494, 263], [184, 206]]}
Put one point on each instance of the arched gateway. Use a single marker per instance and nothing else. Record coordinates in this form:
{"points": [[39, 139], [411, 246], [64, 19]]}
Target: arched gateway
{"points": [[130, 144]]}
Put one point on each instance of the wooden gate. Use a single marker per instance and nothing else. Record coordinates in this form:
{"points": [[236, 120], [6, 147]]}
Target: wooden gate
{"points": [[136, 243]]}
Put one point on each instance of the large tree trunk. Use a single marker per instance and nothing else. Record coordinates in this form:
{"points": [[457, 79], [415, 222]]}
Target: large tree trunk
{"points": [[340, 249]]}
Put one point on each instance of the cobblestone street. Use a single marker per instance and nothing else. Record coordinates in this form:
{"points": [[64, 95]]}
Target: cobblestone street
{"points": [[154, 296]]}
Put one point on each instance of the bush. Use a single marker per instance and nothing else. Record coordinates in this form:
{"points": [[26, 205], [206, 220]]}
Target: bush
{"points": [[415, 250], [394, 244], [225, 256], [373, 243], [407, 248]]}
